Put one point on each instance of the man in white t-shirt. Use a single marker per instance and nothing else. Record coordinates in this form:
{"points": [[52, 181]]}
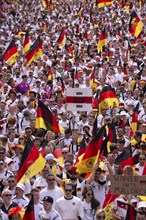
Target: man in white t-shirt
{"points": [[69, 206], [51, 190]]}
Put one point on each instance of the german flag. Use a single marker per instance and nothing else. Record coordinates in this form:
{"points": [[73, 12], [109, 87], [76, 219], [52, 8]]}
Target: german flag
{"points": [[108, 204], [11, 53], [45, 119], [35, 51], [50, 75], [134, 122], [29, 212], [135, 24], [50, 6], [26, 44], [144, 170], [90, 157], [102, 41], [45, 3], [82, 150], [21, 33], [107, 98], [62, 39], [111, 137], [31, 164], [131, 213], [103, 3]]}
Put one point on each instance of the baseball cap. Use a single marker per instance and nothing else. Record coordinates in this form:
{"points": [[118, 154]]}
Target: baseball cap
{"points": [[48, 199]]}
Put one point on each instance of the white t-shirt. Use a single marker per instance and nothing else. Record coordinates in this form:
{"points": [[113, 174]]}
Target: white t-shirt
{"points": [[89, 213], [55, 193], [70, 208], [53, 215]]}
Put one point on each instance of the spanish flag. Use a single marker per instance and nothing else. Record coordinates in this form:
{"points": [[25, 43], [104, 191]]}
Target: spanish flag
{"points": [[45, 119], [90, 157], [26, 44], [103, 3], [135, 24], [134, 122], [62, 39], [108, 98], [35, 51], [31, 164], [29, 212], [10, 53], [102, 41]]}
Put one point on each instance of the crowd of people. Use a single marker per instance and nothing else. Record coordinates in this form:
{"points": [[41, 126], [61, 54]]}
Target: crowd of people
{"points": [[59, 191]]}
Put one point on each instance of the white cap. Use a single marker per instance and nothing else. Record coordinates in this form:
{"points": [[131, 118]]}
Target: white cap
{"points": [[50, 157], [123, 113], [21, 186], [141, 205]]}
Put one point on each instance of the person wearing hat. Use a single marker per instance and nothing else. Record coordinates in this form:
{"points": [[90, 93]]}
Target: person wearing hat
{"points": [[49, 212], [19, 196]]}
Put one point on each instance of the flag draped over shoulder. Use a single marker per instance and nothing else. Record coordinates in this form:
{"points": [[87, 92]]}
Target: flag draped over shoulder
{"points": [[26, 44], [131, 213], [29, 212], [31, 164], [90, 157], [62, 39], [103, 3], [35, 51], [102, 41], [45, 119], [107, 98], [135, 24], [10, 53]]}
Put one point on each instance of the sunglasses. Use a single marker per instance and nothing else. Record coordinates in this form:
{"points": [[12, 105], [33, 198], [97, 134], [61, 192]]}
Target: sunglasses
{"points": [[100, 217], [11, 181], [64, 152], [21, 138], [68, 190], [7, 195], [142, 159], [89, 194], [50, 179]]}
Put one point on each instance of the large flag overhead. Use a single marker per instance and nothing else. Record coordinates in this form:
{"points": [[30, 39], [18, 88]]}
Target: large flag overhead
{"points": [[103, 3], [135, 24], [102, 41], [90, 157], [35, 51], [62, 39], [26, 44], [107, 98], [45, 119], [31, 164], [29, 212], [10, 53]]}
